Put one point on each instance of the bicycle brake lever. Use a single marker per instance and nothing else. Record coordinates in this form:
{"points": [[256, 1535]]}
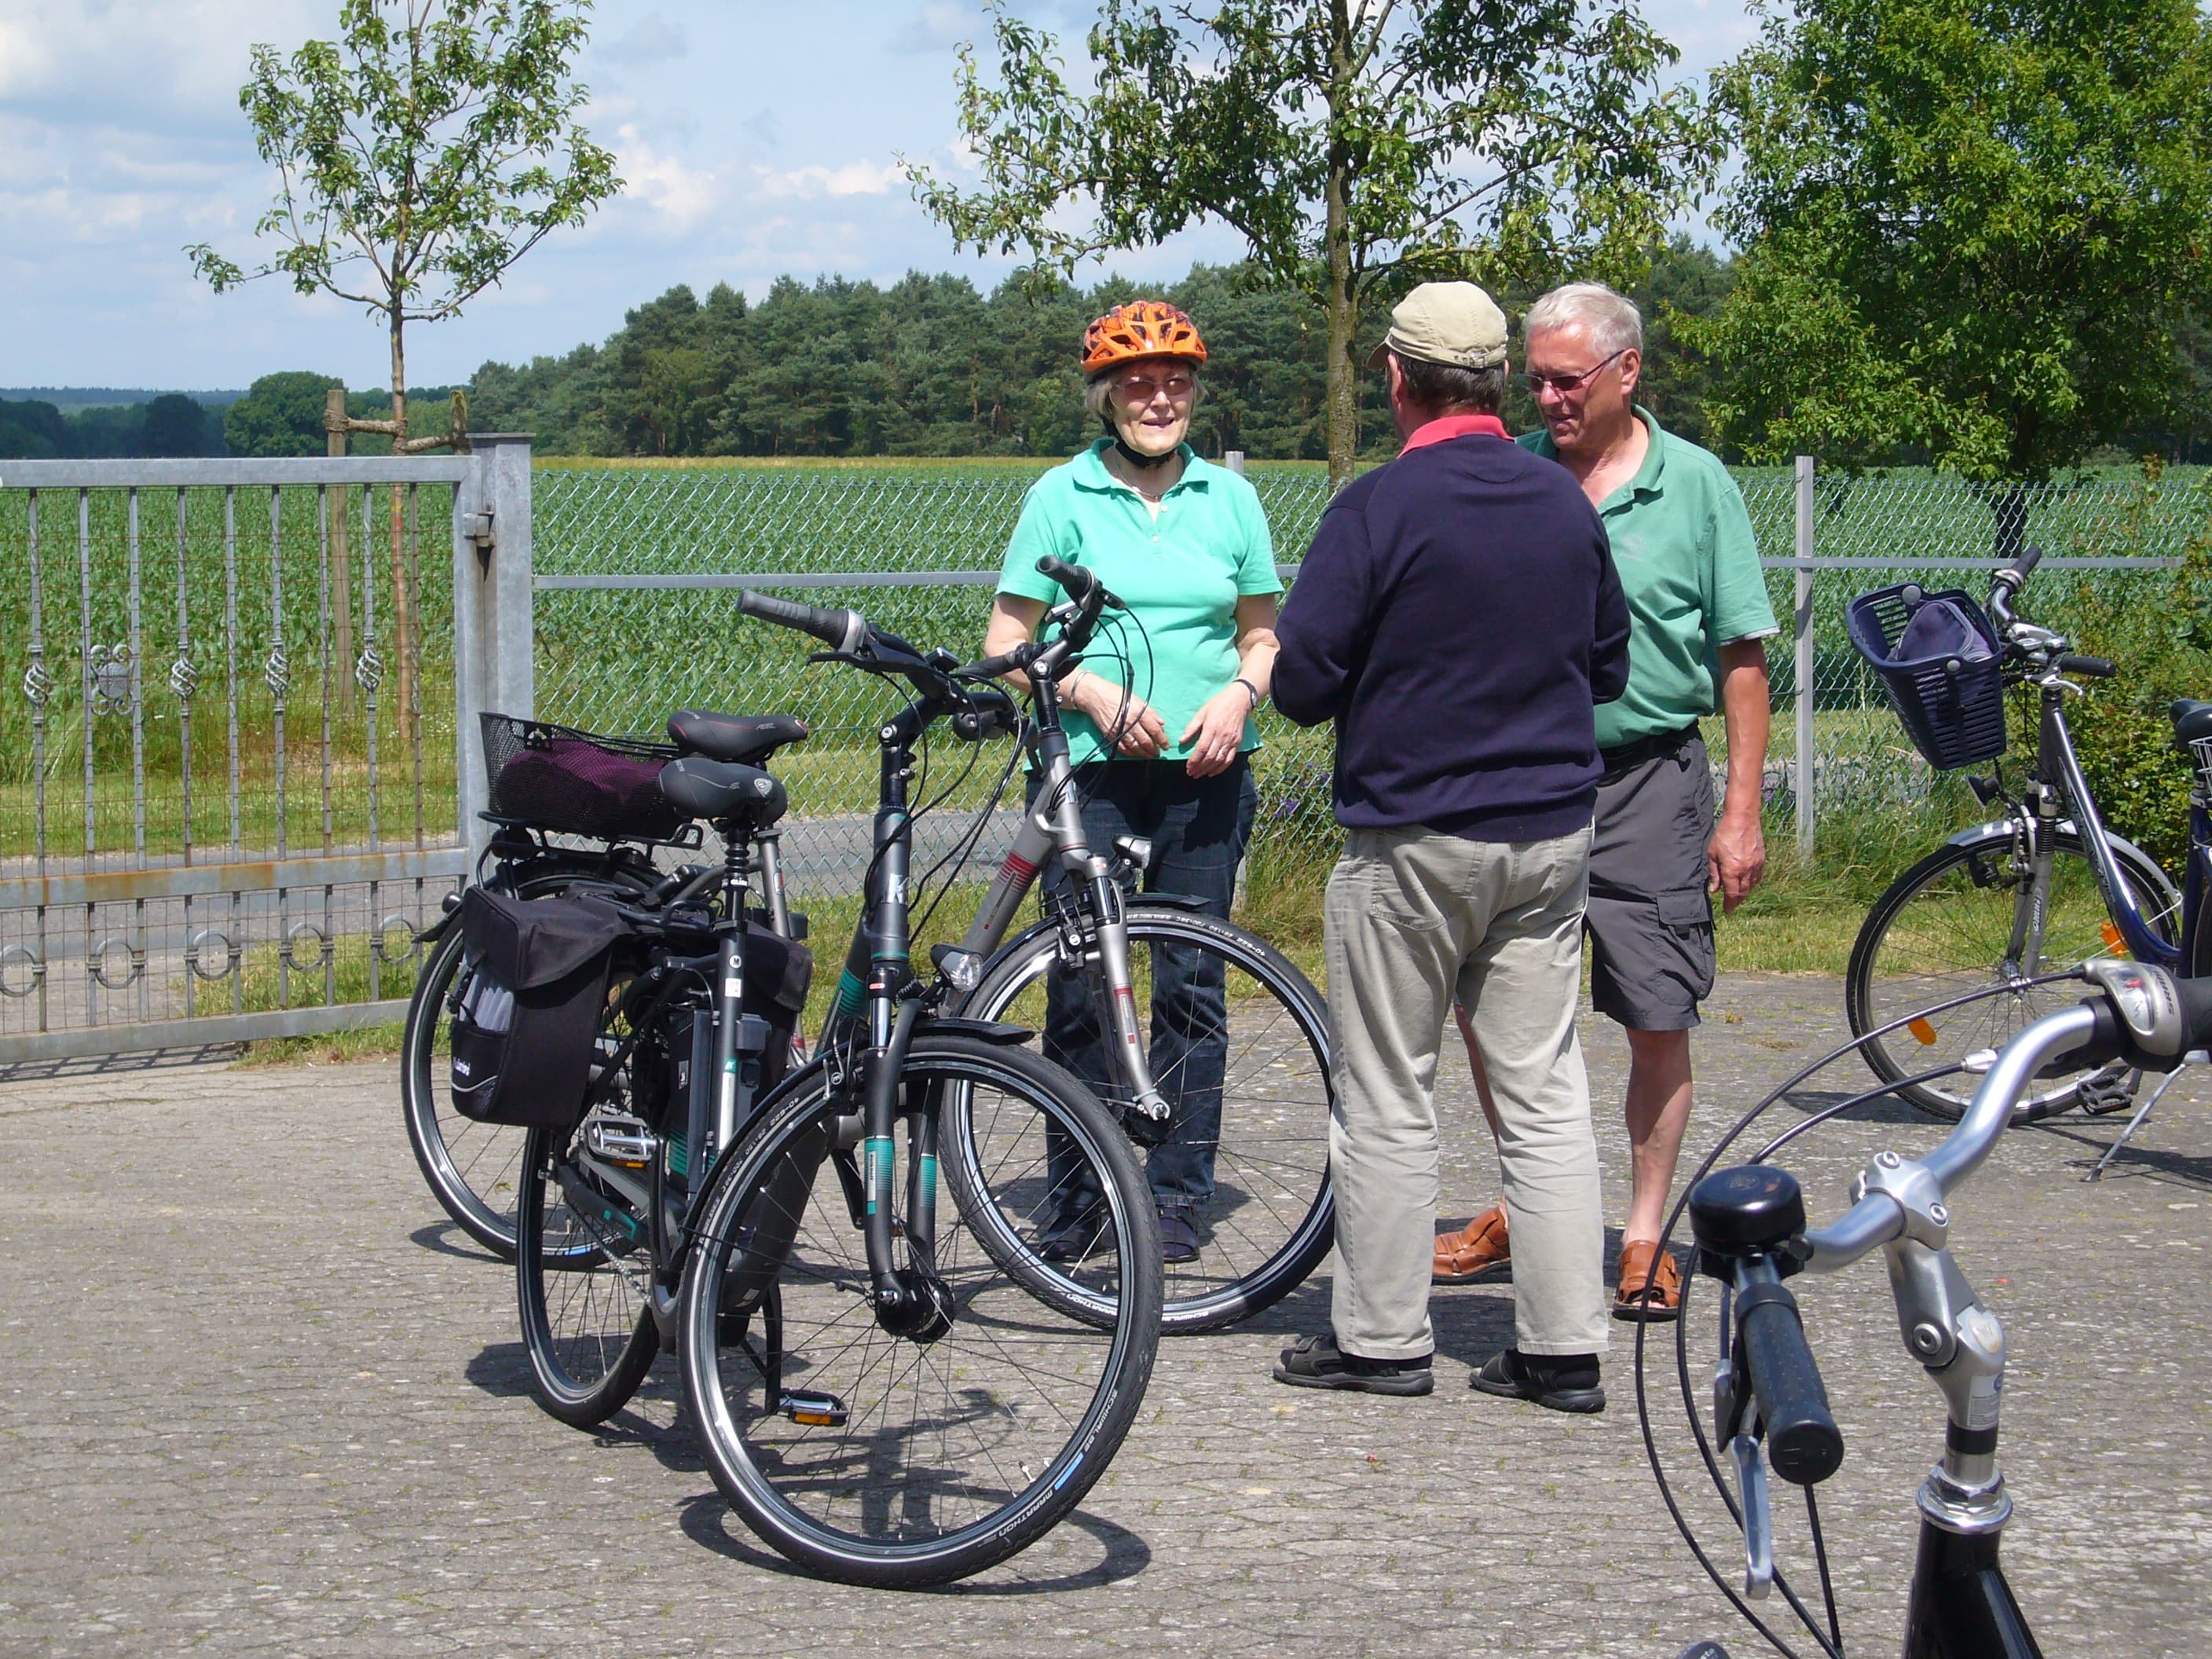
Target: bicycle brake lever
{"points": [[1758, 1516]]}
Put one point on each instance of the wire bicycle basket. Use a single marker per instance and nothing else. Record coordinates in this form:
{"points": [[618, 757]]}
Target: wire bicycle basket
{"points": [[579, 783], [1942, 666]]}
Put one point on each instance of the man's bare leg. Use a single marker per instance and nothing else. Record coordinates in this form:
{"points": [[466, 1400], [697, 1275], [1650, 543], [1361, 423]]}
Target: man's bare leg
{"points": [[1658, 1113]]}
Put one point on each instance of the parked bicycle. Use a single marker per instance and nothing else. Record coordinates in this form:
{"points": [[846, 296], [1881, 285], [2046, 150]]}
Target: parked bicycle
{"points": [[1770, 1408], [2045, 886], [876, 1394], [600, 797]]}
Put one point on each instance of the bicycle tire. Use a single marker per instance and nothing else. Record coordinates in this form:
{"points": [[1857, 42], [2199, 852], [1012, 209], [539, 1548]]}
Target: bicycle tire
{"points": [[1271, 1219], [947, 1457], [473, 1170], [1966, 890], [586, 1325]]}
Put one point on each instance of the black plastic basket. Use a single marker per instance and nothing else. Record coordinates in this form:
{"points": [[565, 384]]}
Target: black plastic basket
{"points": [[1948, 687], [579, 783]]}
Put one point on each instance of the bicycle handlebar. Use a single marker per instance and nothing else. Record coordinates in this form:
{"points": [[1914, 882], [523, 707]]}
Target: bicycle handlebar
{"points": [[841, 630], [1803, 1443], [2095, 668]]}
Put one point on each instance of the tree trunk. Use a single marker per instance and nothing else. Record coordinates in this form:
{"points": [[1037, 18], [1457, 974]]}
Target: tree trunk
{"points": [[403, 591], [2008, 509], [1343, 393], [334, 429]]}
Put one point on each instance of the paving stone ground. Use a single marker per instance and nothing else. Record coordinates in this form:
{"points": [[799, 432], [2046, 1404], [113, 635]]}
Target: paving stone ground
{"points": [[256, 1397]]}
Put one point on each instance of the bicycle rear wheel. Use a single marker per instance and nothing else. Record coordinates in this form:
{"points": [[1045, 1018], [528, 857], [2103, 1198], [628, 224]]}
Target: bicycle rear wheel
{"points": [[1239, 1044], [904, 1460], [1944, 928]]}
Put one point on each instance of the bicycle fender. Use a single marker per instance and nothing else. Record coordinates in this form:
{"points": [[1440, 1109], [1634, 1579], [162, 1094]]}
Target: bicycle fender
{"points": [[994, 1032], [1174, 901], [1994, 830], [438, 929], [2000, 830]]}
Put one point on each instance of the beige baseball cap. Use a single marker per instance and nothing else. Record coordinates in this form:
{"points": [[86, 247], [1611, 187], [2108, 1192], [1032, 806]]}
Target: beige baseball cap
{"points": [[1454, 322]]}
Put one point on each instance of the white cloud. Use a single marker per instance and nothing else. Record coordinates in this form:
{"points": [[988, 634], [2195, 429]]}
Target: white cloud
{"points": [[653, 40], [809, 184], [679, 196]]}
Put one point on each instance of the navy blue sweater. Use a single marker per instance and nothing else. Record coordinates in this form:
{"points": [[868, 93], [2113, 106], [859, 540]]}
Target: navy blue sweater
{"points": [[1458, 616]]}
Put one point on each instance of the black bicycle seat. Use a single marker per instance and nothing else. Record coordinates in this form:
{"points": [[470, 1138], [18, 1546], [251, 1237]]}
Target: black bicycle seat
{"points": [[723, 791], [747, 739], [2191, 719]]}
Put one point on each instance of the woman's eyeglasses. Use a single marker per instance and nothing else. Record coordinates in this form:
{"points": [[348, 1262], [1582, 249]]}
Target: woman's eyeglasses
{"points": [[1141, 389], [1567, 384]]}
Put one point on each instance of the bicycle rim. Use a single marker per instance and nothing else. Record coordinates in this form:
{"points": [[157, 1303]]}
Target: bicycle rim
{"points": [[473, 1170], [883, 1459], [582, 1280], [1943, 929], [1246, 1157]]}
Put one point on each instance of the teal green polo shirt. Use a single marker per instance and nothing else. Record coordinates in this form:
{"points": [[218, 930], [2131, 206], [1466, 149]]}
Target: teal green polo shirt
{"points": [[1181, 575], [1688, 561]]}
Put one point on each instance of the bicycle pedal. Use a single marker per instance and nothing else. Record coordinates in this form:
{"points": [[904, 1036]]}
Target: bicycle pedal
{"points": [[815, 1408], [621, 1140], [2102, 1097]]}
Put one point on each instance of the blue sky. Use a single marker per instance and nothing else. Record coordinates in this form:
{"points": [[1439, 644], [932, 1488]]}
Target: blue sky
{"points": [[756, 140]]}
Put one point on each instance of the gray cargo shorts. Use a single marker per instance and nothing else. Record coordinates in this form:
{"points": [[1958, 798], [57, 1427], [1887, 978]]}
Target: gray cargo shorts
{"points": [[1650, 921]]}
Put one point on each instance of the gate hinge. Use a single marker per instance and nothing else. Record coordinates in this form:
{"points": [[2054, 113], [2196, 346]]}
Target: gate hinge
{"points": [[478, 527]]}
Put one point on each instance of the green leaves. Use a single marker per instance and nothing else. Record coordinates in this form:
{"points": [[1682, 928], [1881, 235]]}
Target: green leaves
{"points": [[1970, 227], [1359, 145], [420, 155]]}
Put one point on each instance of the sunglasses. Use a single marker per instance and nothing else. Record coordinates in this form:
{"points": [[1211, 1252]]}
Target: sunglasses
{"points": [[1566, 385], [1143, 388]]}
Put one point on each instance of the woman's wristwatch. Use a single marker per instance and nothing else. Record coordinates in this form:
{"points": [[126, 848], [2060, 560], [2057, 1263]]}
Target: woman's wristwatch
{"points": [[1259, 697]]}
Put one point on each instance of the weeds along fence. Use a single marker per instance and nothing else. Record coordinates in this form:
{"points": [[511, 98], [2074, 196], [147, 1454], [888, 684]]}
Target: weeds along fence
{"points": [[635, 614]]}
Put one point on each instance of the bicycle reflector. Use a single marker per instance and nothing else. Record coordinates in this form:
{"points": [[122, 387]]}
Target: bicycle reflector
{"points": [[1921, 1029], [2113, 941], [815, 1408]]}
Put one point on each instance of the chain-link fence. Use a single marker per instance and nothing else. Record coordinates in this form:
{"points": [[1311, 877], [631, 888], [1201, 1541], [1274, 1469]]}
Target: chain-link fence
{"points": [[635, 611]]}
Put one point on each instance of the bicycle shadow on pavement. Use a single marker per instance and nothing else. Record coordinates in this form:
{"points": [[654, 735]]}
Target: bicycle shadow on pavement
{"points": [[707, 1521], [2134, 1161], [446, 1238]]}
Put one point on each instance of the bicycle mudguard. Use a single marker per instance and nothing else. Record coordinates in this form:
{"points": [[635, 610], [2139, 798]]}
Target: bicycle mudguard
{"points": [[994, 1032], [2002, 829]]}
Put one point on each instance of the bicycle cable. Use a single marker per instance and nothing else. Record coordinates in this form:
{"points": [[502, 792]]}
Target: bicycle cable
{"points": [[1832, 1649]]}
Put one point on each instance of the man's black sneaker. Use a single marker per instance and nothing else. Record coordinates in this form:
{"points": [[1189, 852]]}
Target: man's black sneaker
{"points": [[1316, 1362]]}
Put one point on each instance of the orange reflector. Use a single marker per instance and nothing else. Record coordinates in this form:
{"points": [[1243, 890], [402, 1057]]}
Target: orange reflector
{"points": [[1923, 1031], [2113, 942]]}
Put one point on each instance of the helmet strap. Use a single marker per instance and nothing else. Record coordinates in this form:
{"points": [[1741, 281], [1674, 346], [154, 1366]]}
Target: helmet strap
{"points": [[1137, 458]]}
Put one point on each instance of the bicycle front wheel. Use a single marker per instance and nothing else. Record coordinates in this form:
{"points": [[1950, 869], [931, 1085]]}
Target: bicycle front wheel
{"points": [[1239, 1041], [893, 1454], [1944, 928]]}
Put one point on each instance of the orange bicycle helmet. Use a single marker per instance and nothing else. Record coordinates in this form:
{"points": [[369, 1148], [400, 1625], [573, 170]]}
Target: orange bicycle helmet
{"points": [[1143, 328]]}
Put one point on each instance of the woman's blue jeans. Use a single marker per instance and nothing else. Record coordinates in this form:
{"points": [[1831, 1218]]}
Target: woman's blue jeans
{"points": [[1199, 829]]}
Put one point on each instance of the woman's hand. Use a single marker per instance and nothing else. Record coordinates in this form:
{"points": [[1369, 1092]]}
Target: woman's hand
{"points": [[1217, 732], [1142, 735]]}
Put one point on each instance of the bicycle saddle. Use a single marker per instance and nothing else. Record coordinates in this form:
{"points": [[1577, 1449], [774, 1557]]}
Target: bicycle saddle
{"points": [[2191, 719], [747, 739], [723, 791]]}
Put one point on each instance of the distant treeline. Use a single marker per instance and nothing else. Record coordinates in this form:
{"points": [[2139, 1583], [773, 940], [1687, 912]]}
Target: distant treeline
{"points": [[281, 415], [931, 367]]}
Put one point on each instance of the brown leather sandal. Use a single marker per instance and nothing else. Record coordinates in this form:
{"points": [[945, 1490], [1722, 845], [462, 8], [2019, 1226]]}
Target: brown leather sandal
{"points": [[1650, 1284], [1477, 1251]]}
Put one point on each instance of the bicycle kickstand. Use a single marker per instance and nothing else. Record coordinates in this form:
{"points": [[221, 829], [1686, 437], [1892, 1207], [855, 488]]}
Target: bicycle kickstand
{"points": [[2196, 1057]]}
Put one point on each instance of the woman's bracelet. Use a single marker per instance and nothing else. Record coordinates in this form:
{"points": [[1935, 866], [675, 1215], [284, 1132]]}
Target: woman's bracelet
{"points": [[1258, 696]]}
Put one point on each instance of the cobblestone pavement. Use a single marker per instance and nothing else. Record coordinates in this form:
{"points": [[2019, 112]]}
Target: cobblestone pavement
{"points": [[256, 1397]]}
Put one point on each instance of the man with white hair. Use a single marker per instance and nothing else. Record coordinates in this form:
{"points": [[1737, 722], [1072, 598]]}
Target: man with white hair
{"points": [[1682, 543]]}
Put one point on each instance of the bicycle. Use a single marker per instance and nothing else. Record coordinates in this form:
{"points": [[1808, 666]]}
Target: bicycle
{"points": [[1770, 1408], [471, 1168], [876, 1396], [2046, 884], [1233, 1062]]}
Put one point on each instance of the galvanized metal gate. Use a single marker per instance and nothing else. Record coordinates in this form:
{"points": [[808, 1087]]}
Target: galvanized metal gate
{"points": [[217, 822]]}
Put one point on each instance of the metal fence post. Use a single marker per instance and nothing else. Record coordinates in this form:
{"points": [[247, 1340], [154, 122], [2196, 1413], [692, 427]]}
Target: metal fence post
{"points": [[1234, 460], [1804, 663], [493, 631]]}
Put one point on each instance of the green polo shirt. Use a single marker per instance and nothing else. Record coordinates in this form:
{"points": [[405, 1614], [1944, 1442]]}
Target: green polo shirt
{"points": [[1180, 574], [1682, 543]]}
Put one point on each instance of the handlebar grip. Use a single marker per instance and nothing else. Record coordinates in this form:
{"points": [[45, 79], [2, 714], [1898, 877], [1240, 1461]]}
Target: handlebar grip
{"points": [[2095, 668], [2019, 568], [990, 668], [1803, 1441], [1079, 583], [841, 630]]}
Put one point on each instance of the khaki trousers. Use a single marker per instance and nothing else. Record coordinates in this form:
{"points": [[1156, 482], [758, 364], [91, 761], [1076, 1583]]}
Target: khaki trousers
{"points": [[1411, 918]]}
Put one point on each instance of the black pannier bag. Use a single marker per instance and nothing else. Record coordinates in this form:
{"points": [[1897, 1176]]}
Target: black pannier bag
{"points": [[778, 971], [536, 985]]}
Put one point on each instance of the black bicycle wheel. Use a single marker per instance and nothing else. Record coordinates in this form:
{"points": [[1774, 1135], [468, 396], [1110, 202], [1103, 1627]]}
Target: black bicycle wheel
{"points": [[1943, 929], [1242, 1051], [583, 1279], [473, 1170], [899, 1459]]}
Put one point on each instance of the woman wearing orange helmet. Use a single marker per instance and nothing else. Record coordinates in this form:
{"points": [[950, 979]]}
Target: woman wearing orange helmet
{"points": [[1159, 737]]}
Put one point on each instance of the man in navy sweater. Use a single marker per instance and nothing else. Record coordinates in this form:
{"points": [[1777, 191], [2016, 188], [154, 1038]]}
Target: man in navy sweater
{"points": [[1457, 617]]}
